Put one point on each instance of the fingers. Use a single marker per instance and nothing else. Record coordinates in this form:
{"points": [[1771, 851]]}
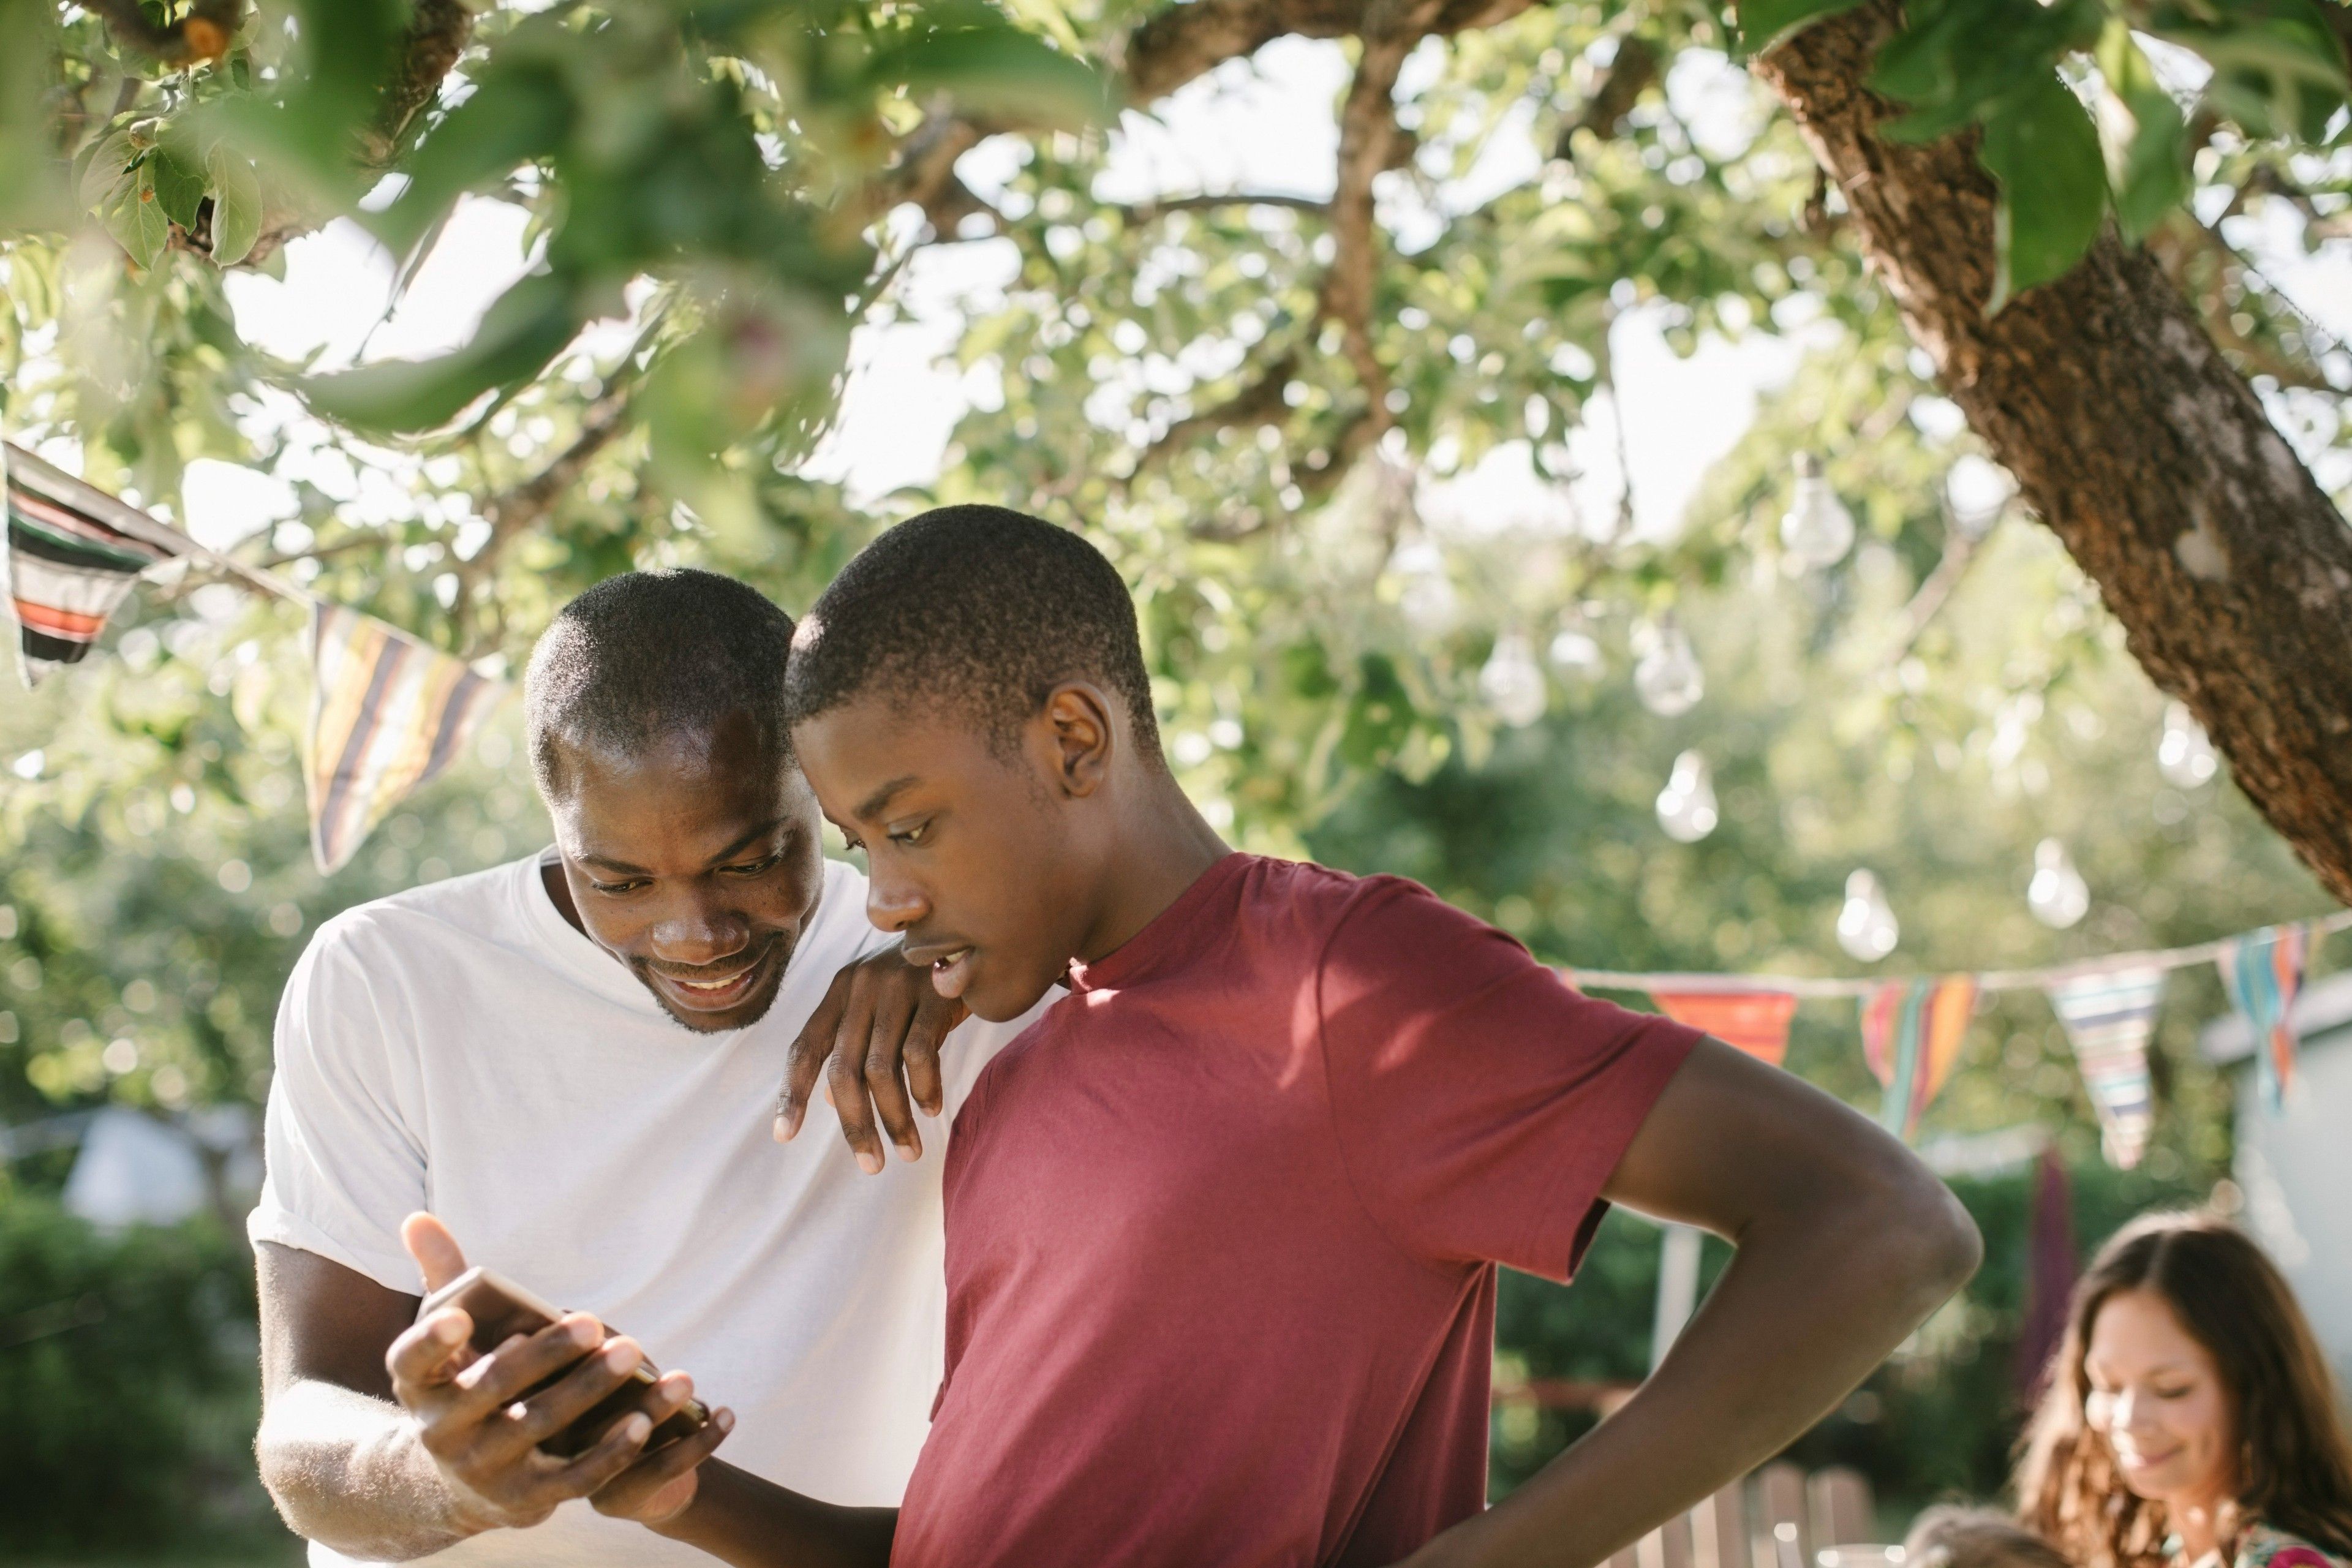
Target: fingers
{"points": [[885, 1045], [935, 1015], [532, 1421], [438, 1256], [516, 1367], [811, 1047], [659, 1484], [431, 1351]]}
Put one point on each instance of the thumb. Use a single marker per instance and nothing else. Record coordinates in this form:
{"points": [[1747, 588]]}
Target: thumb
{"points": [[438, 1256]]}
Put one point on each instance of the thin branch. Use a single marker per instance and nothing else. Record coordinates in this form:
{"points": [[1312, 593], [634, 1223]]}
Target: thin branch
{"points": [[1146, 212], [512, 513], [1255, 403], [1630, 74], [438, 32]]}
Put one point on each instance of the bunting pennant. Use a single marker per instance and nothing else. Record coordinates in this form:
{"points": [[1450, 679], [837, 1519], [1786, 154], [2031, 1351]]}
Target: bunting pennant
{"points": [[387, 713], [72, 555], [1911, 1033], [2108, 1017], [1756, 1022], [2261, 971]]}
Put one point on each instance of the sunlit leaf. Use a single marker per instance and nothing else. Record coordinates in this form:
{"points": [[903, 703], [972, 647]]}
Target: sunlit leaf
{"points": [[135, 218], [1000, 72], [2143, 135], [237, 206], [2042, 149], [179, 189], [1764, 23], [518, 334]]}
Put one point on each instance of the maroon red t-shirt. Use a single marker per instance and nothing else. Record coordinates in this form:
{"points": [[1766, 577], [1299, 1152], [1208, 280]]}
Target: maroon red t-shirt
{"points": [[1221, 1230]]}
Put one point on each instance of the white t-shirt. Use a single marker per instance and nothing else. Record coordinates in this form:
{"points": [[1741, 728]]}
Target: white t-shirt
{"points": [[460, 1048]]}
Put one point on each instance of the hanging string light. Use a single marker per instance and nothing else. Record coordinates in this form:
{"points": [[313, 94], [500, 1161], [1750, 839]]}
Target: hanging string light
{"points": [[1574, 652], [1976, 491], [1817, 531], [1687, 805], [2183, 756], [1668, 678], [1513, 683], [1426, 597], [2058, 896], [1866, 927]]}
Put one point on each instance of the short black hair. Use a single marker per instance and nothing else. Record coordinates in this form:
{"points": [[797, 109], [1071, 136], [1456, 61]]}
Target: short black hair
{"points": [[651, 653], [977, 609]]}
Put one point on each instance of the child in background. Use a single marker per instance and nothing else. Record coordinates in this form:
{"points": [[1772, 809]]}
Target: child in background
{"points": [[1951, 1537]]}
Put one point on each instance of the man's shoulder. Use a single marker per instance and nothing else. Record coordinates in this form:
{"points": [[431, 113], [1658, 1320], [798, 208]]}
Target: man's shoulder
{"points": [[1318, 900], [478, 907]]}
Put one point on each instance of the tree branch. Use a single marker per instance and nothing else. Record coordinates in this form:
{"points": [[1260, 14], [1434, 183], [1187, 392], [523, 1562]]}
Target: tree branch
{"points": [[1160, 206], [1255, 403], [512, 511], [1631, 74], [2229, 568]]}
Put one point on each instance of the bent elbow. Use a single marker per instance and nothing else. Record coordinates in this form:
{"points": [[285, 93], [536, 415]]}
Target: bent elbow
{"points": [[1941, 1246]]}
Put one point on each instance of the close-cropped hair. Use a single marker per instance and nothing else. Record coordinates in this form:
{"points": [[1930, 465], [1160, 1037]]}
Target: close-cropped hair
{"points": [[648, 654], [1953, 1537], [973, 610], [2294, 1462]]}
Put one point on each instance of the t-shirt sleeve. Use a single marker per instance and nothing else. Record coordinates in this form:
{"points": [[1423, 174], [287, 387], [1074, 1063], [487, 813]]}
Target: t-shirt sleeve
{"points": [[344, 1162], [1481, 1102]]}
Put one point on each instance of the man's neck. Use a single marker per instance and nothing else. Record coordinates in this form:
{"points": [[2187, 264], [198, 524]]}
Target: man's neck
{"points": [[1163, 846]]}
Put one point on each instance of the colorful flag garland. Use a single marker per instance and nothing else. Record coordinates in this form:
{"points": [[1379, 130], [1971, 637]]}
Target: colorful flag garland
{"points": [[73, 552], [387, 712], [2263, 970], [2108, 1016], [386, 715], [1756, 1022], [1911, 1035]]}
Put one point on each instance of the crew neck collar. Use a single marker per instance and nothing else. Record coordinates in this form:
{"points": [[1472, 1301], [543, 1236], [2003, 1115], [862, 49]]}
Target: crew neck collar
{"points": [[572, 947], [1166, 940]]}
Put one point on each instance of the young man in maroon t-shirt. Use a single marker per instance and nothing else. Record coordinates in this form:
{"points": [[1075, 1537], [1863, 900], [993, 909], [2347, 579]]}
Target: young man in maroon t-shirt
{"points": [[1223, 1227]]}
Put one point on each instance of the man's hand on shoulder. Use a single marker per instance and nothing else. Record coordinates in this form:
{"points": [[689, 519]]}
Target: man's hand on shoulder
{"points": [[875, 1041], [482, 1417]]}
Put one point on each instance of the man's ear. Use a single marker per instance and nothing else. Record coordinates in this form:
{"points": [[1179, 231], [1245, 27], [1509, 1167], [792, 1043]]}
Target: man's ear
{"points": [[1078, 723]]}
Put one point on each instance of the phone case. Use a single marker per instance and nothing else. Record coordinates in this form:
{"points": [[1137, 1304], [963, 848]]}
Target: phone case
{"points": [[501, 1309]]}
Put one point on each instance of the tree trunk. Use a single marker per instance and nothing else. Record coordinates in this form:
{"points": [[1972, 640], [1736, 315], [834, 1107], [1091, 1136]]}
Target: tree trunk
{"points": [[2141, 449]]}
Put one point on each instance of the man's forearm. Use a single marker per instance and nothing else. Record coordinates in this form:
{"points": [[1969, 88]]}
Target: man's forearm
{"points": [[347, 1471], [1808, 1306], [752, 1523]]}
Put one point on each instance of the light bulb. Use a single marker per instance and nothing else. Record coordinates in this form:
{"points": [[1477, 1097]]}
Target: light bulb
{"points": [[1574, 652], [1817, 531], [1976, 489], [1687, 805], [1866, 927], [1427, 598], [2057, 895], [1512, 682], [1668, 680], [2183, 756]]}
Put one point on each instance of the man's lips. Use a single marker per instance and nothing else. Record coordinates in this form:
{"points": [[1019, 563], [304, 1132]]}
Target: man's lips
{"points": [[950, 963], [716, 988]]}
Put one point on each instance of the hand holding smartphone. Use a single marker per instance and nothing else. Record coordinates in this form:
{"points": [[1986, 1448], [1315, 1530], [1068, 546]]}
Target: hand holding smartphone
{"points": [[500, 1308]]}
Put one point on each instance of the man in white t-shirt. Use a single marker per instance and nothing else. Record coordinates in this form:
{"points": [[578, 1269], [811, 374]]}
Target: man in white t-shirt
{"points": [[572, 1061]]}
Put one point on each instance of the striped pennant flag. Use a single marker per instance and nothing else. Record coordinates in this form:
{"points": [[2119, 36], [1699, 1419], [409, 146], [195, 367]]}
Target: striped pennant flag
{"points": [[73, 553], [1756, 1022], [1911, 1033], [2261, 971], [2108, 1017], [386, 715]]}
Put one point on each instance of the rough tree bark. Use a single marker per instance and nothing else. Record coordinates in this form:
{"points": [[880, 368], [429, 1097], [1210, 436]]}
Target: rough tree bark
{"points": [[2146, 454]]}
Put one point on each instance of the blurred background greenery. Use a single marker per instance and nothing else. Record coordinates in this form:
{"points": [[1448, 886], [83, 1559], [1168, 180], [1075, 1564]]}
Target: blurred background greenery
{"points": [[1395, 628]]}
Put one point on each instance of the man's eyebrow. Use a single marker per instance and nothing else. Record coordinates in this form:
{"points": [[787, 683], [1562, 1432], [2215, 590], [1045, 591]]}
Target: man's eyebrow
{"points": [[605, 862], [747, 839], [873, 802]]}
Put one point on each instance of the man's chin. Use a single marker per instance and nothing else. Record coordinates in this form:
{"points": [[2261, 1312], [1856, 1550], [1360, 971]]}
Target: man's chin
{"points": [[721, 1020]]}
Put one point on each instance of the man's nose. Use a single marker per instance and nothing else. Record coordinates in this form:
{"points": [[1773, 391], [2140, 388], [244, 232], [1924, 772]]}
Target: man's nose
{"points": [[701, 934], [893, 903]]}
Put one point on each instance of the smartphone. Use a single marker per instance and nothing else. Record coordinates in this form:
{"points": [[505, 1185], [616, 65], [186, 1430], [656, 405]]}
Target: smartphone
{"points": [[501, 1309]]}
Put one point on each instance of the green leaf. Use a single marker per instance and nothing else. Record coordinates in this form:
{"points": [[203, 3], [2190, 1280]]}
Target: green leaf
{"points": [[515, 115], [102, 169], [179, 189], [135, 218], [1763, 24], [999, 72], [518, 334], [236, 207], [2143, 135], [2278, 69], [2042, 149]]}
